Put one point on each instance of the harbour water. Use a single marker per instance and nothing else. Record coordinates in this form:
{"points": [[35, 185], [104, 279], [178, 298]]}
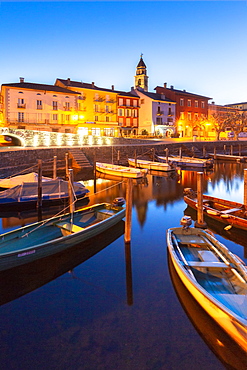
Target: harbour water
{"points": [[106, 305]]}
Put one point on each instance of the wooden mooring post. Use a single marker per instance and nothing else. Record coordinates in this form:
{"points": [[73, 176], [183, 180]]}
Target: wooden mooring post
{"points": [[127, 235], [71, 191], [39, 201], [54, 167], [167, 154], [200, 220], [67, 166], [245, 186]]}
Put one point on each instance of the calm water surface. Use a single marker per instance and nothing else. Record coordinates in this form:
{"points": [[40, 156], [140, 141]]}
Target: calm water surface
{"points": [[104, 305]]}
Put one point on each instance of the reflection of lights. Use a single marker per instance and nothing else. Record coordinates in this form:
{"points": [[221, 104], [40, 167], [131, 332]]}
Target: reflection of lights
{"points": [[75, 117], [108, 141], [69, 140], [47, 139], [220, 343], [81, 116], [90, 140]]}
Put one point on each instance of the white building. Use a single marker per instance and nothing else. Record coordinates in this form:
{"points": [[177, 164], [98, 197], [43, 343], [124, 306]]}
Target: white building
{"points": [[156, 114]]}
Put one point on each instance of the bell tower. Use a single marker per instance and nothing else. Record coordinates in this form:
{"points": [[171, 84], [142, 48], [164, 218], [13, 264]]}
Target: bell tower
{"points": [[141, 78]]}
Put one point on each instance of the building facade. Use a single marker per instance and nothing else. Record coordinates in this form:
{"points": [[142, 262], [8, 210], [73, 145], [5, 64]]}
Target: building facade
{"points": [[41, 107], [128, 113], [157, 114], [190, 110]]}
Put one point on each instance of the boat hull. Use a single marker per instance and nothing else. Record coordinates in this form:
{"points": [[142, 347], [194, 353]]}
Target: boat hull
{"points": [[156, 166], [44, 238], [224, 217], [120, 171], [235, 327], [187, 162]]}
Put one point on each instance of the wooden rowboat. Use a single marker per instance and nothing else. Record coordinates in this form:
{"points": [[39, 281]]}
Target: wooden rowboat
{"points": [[56, 234], [227, 212], [215, 277], [187, 161], [120, 171], [156, 166]]}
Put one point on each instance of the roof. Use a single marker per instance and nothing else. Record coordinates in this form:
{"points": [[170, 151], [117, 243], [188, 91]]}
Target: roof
{"points": [[141, 63], [182, 92], [229, 105], [156, 96], [83, 85], [35, 86]]}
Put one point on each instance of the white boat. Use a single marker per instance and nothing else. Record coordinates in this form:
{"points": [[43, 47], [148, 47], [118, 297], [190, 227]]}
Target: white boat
{"points": [[122, 171], [10, 182], [214, 276], [187, 161], [156, 166]]}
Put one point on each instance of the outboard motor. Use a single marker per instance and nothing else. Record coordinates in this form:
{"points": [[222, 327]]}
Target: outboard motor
{"points": [[186, 221], [190, 192], [118, 201]]}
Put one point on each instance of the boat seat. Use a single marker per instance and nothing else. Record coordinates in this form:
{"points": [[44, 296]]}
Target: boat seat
{"points": [[230, 210], [69, 227], [189, 239], [206, 264], [207, 256]]}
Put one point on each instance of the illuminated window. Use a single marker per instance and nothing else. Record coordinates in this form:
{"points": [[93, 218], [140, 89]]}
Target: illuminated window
{"points": [[121, 101], [67, 105], [158, 120], [202, 104], [189, 116], [181, 115], [96, 107], [96, 118], [120, 112], [128, 102], [128, 121], [181, 102], [135, 103], [107, 108], [54, 117], [196, 103], [189, 102], [107, 119], [128, 113], [67, 117]]}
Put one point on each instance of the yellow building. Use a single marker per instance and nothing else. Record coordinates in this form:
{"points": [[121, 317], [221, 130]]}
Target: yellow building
{"points": [[96, 108]]}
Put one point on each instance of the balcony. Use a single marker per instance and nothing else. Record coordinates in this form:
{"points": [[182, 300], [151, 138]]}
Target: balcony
{"points": [[21, 106], [39, 107], [160, 113], [99, 99], [110, 101]]}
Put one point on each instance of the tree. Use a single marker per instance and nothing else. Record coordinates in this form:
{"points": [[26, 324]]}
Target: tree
{"points": [[226, 121]]}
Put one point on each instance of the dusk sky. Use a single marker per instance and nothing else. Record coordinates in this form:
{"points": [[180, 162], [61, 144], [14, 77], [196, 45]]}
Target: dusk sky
{"points": [[199, 46]]}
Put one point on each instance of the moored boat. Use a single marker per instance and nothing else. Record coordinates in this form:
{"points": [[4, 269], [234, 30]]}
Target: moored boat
{"points": [[215, 277], [228, 212], [120, 171], [10, 182], [156, 166], [187, 161], [56, 234]]}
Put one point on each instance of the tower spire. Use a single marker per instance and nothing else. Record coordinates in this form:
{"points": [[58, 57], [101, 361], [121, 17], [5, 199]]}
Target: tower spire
{"points": [[141, 78]]}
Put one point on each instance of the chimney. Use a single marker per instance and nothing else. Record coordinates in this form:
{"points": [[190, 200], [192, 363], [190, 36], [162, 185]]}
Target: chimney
{"points": [[184, 90], [92, 84], [21, 79], [172, 87], [68, 81], [112, 87], [165, 85]]}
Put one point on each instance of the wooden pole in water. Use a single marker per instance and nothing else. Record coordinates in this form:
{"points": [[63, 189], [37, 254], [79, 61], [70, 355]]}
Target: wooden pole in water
{"points": [[112, 154], [180, 152], [193, 151], [39, 201], [225, 149], [135, 159], [200, 222], [167, 154], [54, 167], [153, 150], [204, 151], [231, 149], [245, 186], [215, 152], [127, 236], [71, 191], [94, 173], [118, 156], [67, 166], [239, 149]]}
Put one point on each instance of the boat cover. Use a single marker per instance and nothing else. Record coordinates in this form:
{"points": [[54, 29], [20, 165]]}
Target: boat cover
{"points": [[18, 180], [51, 190]]}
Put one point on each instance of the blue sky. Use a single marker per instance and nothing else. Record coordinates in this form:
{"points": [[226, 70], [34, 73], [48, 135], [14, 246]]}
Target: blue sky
{"points": [[199, 46]]}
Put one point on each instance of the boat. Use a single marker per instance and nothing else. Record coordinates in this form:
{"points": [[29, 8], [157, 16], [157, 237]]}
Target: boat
{"points": [[228, 157], [228, 212], [215, 277], [26, 195], [225, 349], [45, 238], [120, 171], [40, 272], [187, 161], [156, 166], [10, 182]]}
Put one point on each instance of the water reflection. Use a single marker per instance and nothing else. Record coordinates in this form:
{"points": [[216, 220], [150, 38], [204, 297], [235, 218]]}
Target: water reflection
{"points": [[231, 355], [26, 278]]}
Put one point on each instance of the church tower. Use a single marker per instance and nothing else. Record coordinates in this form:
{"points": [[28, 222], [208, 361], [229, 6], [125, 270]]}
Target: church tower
{"points": [[141, 78]]}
